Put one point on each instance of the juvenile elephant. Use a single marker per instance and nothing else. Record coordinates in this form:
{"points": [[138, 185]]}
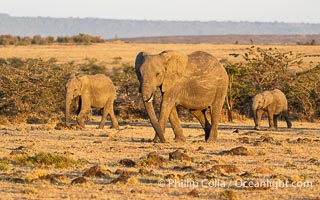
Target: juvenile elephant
{"points": [[272, 102], [95, 91], [196, 82]]}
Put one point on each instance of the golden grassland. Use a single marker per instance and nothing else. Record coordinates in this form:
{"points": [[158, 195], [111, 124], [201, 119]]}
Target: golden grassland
{"points": [[107, 52]]}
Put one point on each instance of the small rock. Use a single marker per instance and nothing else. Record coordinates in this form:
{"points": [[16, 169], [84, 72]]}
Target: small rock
{"points": [[153, 159], [136, 191], [262, 170], [178, 155], [17, 152], [122, 172], [190, 176], [170, 176], [17, 180], [238, 151], [313, 160], [193, 193], [20, 148], [228, 195], [96, 171], [201, 148], [228, 169], [54, 178], [185, 168], [144, 171], [246, 175], [268, 139], [127, 162], [303, 140], [79, 180], [123, 178], [244, 140]]}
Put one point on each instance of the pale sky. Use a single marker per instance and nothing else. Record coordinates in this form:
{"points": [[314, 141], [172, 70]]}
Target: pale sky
{"points": [[192, 10]]}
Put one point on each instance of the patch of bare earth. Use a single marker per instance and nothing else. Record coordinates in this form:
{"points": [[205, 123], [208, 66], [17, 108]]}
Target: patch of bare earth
{"points": [[38, 161]]}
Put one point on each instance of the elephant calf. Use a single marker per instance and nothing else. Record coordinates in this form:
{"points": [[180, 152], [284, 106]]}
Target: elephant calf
{"points": [[95, 91], [272, 102]]}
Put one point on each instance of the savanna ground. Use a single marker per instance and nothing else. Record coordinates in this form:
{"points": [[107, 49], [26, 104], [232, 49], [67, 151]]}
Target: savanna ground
{"points": [[39, 161]]}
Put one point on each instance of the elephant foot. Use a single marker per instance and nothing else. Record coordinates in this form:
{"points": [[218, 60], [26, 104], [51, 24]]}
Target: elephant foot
{"points": [[180, 139], [271, 129], [257, 128], [82, 128], [289, 125], [211, 140], [115, 127], [156, 139], [66, 125], [100, 127]]}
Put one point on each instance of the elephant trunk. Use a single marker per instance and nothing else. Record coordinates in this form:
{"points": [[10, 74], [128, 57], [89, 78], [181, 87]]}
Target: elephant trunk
{"points": [[154, 120], [147, 94], [69, 98]]}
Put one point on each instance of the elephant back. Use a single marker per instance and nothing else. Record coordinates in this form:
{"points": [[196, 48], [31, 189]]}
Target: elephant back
{"points": [[203, 59], [203, 62]]}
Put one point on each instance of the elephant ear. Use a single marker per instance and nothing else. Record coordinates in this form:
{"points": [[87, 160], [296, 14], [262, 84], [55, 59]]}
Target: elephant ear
{"points": [[139, 61], [84, 81], [175, 65], [268, 98]]}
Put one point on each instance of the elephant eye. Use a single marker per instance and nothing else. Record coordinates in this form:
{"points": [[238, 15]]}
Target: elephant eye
{"points": [[158, 73]]}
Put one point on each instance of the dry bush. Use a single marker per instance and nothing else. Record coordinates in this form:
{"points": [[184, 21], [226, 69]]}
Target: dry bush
{"points": [[32, 89], [43, 159]]}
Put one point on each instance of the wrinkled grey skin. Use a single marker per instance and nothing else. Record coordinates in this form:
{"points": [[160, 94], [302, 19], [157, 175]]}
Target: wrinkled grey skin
{"points": [[273, 103], [196, 82], [91, 91]]}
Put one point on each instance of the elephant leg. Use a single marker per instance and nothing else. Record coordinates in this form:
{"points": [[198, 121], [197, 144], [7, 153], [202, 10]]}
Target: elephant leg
{"points": [[275, 121], [108, 109], [176, 126], [82, 115], [215, 116], [103, 117], [166, 107], [271, 122], [114, 120], [201, 116], [215, 110], [259, 115], [286, 117]]}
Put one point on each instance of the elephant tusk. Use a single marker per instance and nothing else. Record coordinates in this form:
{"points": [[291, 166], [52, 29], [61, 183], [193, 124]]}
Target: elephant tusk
{"points": [[151, 99]]}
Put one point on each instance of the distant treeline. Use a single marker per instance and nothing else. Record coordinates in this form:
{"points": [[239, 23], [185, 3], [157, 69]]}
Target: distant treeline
{"points": [[39, 40]]}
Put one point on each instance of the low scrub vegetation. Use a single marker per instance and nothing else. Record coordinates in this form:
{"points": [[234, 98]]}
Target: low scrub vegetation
{"points": [[44, 159], [32, 90], [39, 40]]}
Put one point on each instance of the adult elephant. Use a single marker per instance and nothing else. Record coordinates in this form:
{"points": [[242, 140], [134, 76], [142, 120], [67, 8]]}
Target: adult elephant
{"points": [[196, 82], [91, 91], [272, 102]]}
